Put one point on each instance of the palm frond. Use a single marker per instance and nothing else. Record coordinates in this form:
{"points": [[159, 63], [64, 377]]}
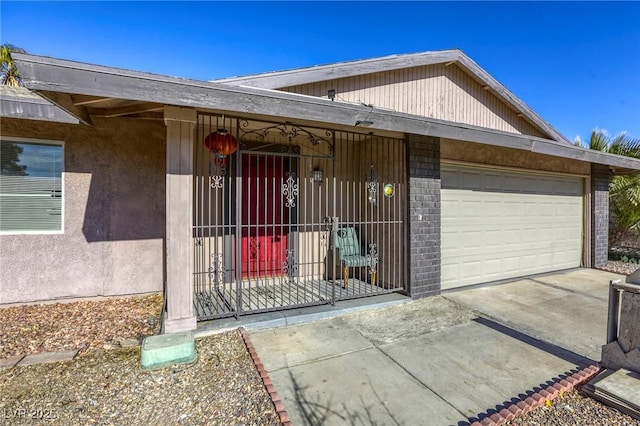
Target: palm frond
{"points": [[599, 140]]}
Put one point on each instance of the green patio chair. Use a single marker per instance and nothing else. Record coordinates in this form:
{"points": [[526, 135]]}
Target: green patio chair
{"points": [[345, 241]]}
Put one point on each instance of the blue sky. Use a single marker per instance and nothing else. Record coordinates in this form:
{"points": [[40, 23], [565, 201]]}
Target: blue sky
{"points": [[577, 63]]}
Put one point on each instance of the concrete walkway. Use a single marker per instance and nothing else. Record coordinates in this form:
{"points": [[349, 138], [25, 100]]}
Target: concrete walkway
{"points": [[567, 309], [435, 361]]}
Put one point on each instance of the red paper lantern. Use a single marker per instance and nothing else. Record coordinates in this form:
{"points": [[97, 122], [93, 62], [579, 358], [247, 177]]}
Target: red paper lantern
{"points": [[221, 142]]}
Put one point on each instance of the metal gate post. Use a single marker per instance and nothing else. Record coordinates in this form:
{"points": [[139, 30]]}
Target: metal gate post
{"points": [[238, 240]]}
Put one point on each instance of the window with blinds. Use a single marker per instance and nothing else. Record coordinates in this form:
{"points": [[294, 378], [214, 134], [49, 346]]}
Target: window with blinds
{"points": [[30, 186]]}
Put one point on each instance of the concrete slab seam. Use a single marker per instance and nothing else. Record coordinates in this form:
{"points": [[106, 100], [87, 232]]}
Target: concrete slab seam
{"points": [[522, 406], [266, 380]]}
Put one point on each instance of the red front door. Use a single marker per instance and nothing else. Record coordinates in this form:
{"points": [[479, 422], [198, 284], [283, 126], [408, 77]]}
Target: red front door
{"points": [[264, 216]]}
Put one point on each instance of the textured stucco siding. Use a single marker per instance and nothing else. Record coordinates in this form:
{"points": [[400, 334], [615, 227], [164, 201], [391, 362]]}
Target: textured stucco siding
{"points": [[114, 215]]}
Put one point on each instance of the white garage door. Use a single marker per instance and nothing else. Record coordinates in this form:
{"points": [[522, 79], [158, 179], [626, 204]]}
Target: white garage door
{"points": [[499, 224]]}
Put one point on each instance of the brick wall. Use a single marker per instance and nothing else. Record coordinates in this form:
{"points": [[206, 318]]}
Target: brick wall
{"points": [[599, 215], [423, 165]]}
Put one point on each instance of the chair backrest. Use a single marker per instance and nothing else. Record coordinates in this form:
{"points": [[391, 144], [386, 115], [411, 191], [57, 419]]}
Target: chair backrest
{"points": [[346, 240]]}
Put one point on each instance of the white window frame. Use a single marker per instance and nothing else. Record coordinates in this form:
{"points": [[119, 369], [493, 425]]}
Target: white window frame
{"points": [[61, 144]]}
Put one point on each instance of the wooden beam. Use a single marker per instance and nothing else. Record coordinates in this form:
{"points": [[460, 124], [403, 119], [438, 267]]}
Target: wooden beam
{"points": [[64, 102], [48, 74], [128, 110], [82, 101]]}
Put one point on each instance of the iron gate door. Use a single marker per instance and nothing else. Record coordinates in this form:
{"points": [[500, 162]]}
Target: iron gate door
{"points": [[286, 216]]}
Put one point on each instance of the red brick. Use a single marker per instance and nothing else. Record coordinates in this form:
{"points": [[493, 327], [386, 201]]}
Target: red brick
{"points": [[553, 392], [539, 399], [572, 380], [287, 424], [566, 385], [558, 387], [267, 381], [264, 374], [284, 417], [524, 407], [271, 389], [279, 406], [487, 422], [508, 415], [545, 394], [517, 411], [531, 402], [476, 424], [498, 419]]}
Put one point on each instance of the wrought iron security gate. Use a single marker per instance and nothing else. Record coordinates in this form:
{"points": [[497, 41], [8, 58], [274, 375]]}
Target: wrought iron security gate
{"points": [[286, 216]]}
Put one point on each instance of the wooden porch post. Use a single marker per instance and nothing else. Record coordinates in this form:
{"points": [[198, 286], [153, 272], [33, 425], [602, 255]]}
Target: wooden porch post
{"points": [[180, 315]]}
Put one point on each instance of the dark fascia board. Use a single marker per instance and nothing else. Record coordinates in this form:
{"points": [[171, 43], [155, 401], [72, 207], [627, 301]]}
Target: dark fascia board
{"points": [[21, 103], [294, 77], [56, 76]]}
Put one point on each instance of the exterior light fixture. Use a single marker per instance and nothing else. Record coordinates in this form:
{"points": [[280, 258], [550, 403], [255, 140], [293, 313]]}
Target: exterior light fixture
{"points": [[317, 176]]}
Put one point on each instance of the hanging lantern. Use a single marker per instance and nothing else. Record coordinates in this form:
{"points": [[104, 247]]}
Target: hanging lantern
{"points": [[221, 142]]}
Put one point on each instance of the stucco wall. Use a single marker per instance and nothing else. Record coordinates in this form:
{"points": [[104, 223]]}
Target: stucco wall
{"points": [[114, 215]]}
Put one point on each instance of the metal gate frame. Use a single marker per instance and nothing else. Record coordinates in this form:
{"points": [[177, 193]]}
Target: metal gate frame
{"points": [[323, 198]]}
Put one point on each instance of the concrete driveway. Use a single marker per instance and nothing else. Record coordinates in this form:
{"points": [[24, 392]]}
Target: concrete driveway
{"points": [[444, 360]]}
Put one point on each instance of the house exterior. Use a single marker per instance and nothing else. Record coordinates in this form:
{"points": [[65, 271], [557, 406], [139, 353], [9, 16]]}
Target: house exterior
{"points": [[409, 173]]}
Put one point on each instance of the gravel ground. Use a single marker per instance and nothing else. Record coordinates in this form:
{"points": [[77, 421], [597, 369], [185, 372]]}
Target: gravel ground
{"points": [[107, 387], [624, 268], [84, 325], [574, 408]]}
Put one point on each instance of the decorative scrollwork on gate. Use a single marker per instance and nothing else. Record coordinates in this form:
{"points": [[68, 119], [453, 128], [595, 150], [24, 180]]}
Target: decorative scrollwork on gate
{"points": [[216, 269], [288, 131], [290, 267], [217, 182], [373, 255], [290, 189]]}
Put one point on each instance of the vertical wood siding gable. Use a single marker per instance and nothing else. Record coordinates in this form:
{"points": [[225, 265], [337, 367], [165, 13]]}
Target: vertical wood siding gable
{"points": [[434, 91]]}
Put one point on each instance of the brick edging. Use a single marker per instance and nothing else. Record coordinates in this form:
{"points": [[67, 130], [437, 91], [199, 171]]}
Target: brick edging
{"points": [[266, 380], [537, 399]]}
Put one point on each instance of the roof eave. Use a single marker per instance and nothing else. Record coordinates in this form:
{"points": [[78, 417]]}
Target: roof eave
{"points": [[28, 109], [67, 77], [294, 77]]}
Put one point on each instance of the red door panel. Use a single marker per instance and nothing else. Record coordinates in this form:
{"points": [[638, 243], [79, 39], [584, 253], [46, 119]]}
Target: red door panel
{"points": [[264, 217]]}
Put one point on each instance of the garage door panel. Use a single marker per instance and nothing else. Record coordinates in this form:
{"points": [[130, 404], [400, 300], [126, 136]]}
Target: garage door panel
{"points": [[507, 224]]}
